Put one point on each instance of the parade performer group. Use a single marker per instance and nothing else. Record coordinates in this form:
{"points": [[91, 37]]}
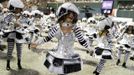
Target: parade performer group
{"points": [[20, 27]]}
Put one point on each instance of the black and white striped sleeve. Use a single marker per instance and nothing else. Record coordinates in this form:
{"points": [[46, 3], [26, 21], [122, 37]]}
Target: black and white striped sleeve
{"points": [[51, 34], [80, 37]]}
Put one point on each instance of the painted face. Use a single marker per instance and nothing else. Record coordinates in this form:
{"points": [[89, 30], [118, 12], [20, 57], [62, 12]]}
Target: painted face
{"points": [[68, 20], [67, 25], [18, 10], [130, 30], [70, 17]]}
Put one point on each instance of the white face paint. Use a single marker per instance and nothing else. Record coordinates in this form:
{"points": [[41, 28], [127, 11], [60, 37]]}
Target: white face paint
{"points": [[65, 24], [18, 14]]}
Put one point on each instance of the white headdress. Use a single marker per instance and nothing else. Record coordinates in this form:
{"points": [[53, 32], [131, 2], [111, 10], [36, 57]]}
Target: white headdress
{"points": [[16, 3]]}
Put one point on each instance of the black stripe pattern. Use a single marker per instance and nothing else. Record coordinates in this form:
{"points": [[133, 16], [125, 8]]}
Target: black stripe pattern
{"points": [[51, 34], [80, 37]]}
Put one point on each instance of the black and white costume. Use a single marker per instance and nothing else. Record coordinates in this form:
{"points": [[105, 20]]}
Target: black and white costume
{"points": [[13, 33], [103, 49], [62, 59], [125, 43]]}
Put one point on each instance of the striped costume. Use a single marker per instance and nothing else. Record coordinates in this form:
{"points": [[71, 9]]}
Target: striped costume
{"points": [[13, 35], [63, 60], [125, 44], [103, 50]]}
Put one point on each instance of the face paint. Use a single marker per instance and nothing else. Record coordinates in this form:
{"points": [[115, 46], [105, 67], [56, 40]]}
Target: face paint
{"points": [[18, 14], [65, 24], [66, 27]]}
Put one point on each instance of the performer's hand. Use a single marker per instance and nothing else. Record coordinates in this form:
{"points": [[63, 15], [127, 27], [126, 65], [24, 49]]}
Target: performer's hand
{"points": [[91, 51], [33, 45]]}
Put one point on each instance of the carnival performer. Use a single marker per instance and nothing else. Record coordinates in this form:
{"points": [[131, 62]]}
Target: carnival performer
{"points": [[103, 50], [13, 31], [63, 60], [126, 44]]}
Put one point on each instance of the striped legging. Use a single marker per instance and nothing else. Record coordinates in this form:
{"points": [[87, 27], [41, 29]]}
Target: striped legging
{"points": [[100, 65], [127, 53], [11, 47]]}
